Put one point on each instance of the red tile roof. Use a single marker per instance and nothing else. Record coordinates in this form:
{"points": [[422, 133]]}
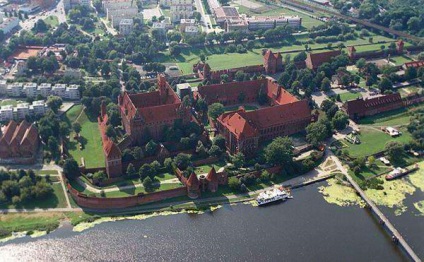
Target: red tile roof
{"points": [[111, 149], [415, 64], [10, 130], [360, 105], [212, 176], [20, 132], [314, 60], [31, 136], [193, 181]]}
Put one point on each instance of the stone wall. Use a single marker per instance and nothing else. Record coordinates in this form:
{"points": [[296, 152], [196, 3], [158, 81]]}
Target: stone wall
{"points": [[123, 202]]}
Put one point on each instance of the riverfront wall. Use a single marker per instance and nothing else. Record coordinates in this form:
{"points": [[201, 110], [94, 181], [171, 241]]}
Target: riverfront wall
{"points": [[94, 202]]}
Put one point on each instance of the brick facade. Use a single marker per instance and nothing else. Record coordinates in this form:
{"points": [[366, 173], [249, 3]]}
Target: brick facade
{"points": [[19, 141]]}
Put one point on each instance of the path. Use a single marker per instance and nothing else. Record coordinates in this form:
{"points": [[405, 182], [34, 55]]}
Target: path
{"points": [[62, 182], [383, 219]]}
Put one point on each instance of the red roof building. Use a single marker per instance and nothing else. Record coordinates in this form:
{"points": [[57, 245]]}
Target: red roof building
{"points": [[19, 141], [360, 107], [193, 186], [273, 62], [416, 64], [314, 60], [230, 93], [145, 115], [245, 130]]}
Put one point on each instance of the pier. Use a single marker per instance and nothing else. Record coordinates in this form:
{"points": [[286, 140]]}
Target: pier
{"points": [[384, 221]]}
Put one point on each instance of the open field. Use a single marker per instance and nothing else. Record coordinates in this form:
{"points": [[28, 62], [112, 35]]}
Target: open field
{"points": [[374, 141], [56, 200], [90, 139], [52, 21], [206, 168], [349, 96], [400, 60], [6, 102], [395, 117]]}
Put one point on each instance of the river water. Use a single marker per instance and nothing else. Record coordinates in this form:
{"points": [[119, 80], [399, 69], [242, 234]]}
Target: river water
{"points": [[305, 228]]}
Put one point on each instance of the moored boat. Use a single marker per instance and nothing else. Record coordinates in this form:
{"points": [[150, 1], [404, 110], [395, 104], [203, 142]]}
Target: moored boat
{"points": [[273, 195]]}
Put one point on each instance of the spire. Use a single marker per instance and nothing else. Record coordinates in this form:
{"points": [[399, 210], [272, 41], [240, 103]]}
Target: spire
{"points": [[212, 175], [193, 181]]}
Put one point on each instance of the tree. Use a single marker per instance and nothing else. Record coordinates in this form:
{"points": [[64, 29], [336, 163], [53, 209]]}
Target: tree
{"points": [[385, 84], [371, 161], [148, 183], [167, 163], [76, 127], [394, 150], [64, 129], [325, 84], [279, 151], [410, 73], [53, 146], [238, 160], [54, 102], [182, 161], [300, 57], [145, 171], [219, 141], [421, 56], [215, 151], [100, 176], [234, 183], [318, 131], [105, 69], [71, 169], [131, 170], [361, 63], [340, 120], [215, 110], [110, 131], [151, 148]]}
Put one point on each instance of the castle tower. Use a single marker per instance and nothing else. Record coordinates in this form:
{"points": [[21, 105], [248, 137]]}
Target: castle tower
{"points": [[351, 52], [103, 110], [193, 186], [213, 180], [113, 159], [206, 71], [399, 46], [162, 84]]}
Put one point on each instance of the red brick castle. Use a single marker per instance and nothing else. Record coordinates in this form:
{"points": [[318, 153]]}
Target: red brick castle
{"points": [[19, 141]]}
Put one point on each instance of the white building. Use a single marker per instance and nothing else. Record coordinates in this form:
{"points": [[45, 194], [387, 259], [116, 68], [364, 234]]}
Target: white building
{"points": [[30, 90], [72, 92], [8, 24], [21, 110], [14, 90], [270, 22], [181, 11], [38, 108], [44, 89], [118, 15], [59, 90], [186, 22], [6, 113], [3, 87], [126, 26], [191, 30], [114, 4]]}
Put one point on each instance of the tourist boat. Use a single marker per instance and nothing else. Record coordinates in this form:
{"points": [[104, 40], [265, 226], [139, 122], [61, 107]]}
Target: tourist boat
{"points": [[398, 172], [273, 195]]}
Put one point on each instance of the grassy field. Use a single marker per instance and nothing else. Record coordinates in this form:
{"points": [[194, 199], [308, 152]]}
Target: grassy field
{"points": [[56, 200], [6, 102], [374, 141], [46, 172], [395, 117], [349, 96], [52, 21], [91, 140], [400, 60], [73, 113], [246, 107], [206, 168]]}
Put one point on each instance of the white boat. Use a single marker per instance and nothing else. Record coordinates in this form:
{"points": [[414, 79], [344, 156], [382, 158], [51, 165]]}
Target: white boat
{"points": [[273, 195]]}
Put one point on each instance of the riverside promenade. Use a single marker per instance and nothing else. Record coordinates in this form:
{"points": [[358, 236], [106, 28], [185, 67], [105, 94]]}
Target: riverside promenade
{"points": [[382, 218]]}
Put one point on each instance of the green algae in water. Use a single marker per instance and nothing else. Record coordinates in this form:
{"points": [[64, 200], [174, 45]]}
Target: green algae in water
{"points": [[417, 177], [338, 194], [392, 195], [86, 225], [420, 207]]}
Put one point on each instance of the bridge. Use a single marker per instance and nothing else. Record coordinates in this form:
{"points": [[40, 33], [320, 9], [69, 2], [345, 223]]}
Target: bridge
{"points": [[396, 236]]}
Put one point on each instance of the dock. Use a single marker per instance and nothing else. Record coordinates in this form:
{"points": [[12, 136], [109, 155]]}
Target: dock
{"points": [[384, 221]]}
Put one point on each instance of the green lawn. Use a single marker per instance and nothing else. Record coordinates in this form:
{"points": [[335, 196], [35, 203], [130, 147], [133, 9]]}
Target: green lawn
{"points": [[206, 168], [246, 107], [373, 141], [400, 60], [395, 117], [56, 200], [92, 150], [52, 21], [6, 102], [137, 190], [73, 113], [46, 172], [349, 96]]}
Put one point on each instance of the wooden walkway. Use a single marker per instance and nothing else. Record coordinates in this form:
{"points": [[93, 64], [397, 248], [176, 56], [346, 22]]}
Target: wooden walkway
{"points": [[383, 220]]}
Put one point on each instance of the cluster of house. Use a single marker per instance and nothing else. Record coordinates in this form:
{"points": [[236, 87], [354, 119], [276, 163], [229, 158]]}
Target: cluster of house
{"points": [[68, 4], [7, 24], [18, 140], [32, 90], [21, 110], [180, 9], [229, 19], [121, 14]]}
